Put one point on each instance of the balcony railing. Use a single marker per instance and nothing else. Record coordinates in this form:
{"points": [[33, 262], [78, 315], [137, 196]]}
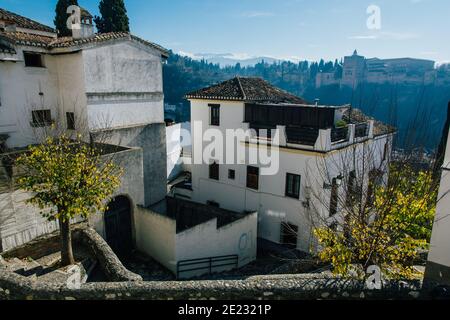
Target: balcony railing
{"points": [[305, 136], [361, 130], [323, 139], [339, 134], [207, 265]]}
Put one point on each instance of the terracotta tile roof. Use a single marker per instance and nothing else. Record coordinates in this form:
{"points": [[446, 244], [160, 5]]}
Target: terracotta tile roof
{"points": [[85, 13], [246, 89], [26, 39], [101, 37], [23, 22], [49, 43]]}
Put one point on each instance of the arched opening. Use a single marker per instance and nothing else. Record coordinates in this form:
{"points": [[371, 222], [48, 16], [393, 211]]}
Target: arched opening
{"points": [[118, 227]]}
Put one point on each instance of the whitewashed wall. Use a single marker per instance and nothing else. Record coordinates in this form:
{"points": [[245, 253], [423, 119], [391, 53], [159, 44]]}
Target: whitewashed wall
{"points": [[238, 238], [123, 85], [438, 267], [155, 236], [270, 200], [20, 88], [110, 85], [173, 140]]}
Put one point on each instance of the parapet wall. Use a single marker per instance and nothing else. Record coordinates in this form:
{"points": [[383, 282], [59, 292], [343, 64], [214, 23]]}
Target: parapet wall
{"points": [[129, 286], [297, 287]]}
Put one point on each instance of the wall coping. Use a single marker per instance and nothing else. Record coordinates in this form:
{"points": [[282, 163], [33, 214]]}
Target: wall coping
{"points": [[299, 287]]}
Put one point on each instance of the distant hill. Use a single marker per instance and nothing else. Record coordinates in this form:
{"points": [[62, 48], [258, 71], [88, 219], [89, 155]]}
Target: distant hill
{"points": [[397, 104], [229, 59]]}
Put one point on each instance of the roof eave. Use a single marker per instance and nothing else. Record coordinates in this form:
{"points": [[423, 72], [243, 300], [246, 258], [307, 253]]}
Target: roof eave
{"points": [[195, 97]]}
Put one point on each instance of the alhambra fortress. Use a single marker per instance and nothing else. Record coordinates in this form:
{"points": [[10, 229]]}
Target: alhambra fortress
{"points": [[186, 220]]}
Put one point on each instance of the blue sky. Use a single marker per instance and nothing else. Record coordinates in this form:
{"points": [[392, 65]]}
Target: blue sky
{"points": [[302, 29]]}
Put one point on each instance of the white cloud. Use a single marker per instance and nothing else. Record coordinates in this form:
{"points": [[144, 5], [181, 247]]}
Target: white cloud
{"points": [[386, 35], [257, 14], [363, 37], [429, 53], [399, 35]]}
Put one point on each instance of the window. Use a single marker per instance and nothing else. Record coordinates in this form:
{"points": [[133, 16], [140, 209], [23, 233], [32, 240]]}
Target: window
{"points": [[231, 174], [33, 60], [70, 117], [214, 114], [253, 178], [334, 197], [289, 234], [41, 118], [293, 185], [214, 171]]}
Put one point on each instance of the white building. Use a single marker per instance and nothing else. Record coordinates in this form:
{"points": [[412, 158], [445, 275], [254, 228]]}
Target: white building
{"points": [[88, 82], [308, 135], [108, 86]]}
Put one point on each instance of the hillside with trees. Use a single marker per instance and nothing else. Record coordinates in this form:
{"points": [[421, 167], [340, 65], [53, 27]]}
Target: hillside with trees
{"points": [[402, 105]]}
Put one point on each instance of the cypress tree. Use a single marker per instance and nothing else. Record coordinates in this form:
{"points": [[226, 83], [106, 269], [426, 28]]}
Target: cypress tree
{"points": [[62, 16], [113, 17]]}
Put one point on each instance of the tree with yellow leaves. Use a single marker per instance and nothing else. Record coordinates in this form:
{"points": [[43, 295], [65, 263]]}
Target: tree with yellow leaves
{"points": [[68, 178], [395, 224]]}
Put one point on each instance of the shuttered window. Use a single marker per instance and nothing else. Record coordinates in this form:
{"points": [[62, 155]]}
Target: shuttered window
{"points": [[41, 118], [214, 111], [214, 171], [253, 178], [293, 185]]}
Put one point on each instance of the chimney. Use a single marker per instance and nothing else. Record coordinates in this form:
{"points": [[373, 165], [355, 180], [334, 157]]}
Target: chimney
{"points": [[317, 100], [86, 29]]}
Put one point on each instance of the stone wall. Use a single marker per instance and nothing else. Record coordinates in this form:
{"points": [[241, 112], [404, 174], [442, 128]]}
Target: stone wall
{"points": [[82, 236], [296, 287], [129, 286]]}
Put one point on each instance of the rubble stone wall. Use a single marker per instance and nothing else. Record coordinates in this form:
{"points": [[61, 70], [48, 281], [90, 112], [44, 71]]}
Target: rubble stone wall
{"points": [[305, 287]]}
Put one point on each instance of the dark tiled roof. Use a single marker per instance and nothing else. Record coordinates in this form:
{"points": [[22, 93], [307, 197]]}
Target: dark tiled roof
{"points": [[67, 42], [23, 22], [246, 89]]}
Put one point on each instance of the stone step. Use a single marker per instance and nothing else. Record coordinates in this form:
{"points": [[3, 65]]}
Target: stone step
{"points": [[24, 268], [49, 260], [16, 265]]}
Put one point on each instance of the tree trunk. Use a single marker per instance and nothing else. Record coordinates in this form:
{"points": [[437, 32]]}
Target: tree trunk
{"points": [[66, 243]]}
